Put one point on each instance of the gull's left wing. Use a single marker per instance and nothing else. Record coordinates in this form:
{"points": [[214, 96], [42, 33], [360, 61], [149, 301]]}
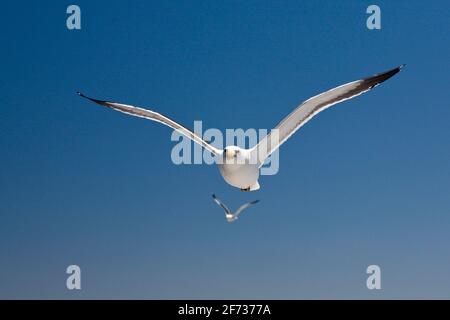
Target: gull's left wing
{"points": [[243, 207], [311, 107], [151, 115]]}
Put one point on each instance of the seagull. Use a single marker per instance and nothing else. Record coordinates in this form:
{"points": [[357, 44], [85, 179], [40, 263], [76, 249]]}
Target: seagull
{"points": [[241, 167], [231, 217]]}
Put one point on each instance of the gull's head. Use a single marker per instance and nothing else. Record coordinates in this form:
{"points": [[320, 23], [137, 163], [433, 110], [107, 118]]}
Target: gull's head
{"points": [[231, 152]]}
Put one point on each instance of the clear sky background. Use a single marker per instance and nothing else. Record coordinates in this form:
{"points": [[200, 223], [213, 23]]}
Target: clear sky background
{"points": [[366, 182]]}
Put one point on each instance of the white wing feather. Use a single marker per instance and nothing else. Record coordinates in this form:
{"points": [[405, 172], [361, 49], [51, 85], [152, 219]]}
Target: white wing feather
{"points": [[311, 107], [244, 206], [220, 203], [154, 116]]}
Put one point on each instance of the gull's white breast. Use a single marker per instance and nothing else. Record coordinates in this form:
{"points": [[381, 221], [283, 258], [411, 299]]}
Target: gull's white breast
{"points": [[240, 174]]}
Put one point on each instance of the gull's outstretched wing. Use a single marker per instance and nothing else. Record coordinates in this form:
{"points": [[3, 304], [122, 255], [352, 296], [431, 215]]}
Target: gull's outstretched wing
{"points": [[243, 207], [220, 203], [308, 109], [151, 115]]}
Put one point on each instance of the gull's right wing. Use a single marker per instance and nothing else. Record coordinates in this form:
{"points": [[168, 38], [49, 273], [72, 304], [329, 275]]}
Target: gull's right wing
{"points": [[220, 203], [151, 115]]}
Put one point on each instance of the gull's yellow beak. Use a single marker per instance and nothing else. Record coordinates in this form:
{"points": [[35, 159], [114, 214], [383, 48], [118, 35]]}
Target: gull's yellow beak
{"points": [[230, 154]]}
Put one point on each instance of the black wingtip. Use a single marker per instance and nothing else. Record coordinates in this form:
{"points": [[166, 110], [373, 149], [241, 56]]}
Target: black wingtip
{"points": [[86, 97], [213, 195], [101, 102], [379, 78]]}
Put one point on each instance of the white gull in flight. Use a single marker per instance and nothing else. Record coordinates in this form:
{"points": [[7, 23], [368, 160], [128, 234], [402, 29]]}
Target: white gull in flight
{"points": [[231, 217], [241, 167]]}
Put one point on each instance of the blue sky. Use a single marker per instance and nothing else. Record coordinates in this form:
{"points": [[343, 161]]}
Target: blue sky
{"points": [[366, 182]]}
